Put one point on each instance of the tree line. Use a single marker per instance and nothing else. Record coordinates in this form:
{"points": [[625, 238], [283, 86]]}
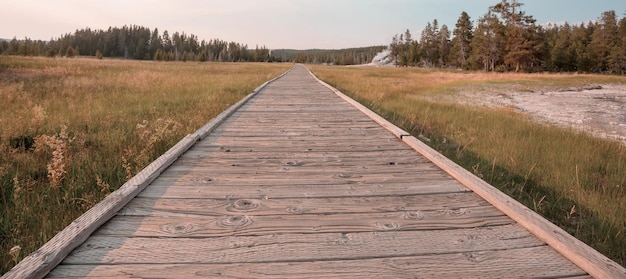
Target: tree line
{"points": [[506, 39], [348, 56], [137, 42]]}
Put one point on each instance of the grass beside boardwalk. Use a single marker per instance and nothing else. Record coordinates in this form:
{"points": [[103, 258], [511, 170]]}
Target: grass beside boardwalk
{"points": [[576, 181], [74, 130]]}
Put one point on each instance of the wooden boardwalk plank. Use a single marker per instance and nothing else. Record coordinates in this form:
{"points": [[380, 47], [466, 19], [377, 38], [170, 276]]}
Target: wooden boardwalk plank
{"points": [[269, 248], [538, 263], [298, 183], [256, 207], [194, 226]]}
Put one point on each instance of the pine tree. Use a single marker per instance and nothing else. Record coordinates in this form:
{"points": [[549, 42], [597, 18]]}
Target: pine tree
{"points": [[581, 36], [70, 52], [429, 43], [487, 44], [617, 55], [463, 35], [394, 49], [603, 40], [156, 43], [520, 31], [443, 40]]}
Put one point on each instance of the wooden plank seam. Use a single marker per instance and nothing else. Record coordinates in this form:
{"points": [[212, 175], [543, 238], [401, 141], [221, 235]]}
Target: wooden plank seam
{"points": [[587, 258], [48, 256]]}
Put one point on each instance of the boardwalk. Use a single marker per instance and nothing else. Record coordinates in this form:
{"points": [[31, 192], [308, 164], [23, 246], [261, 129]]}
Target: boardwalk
{"points": [[298, 183]]}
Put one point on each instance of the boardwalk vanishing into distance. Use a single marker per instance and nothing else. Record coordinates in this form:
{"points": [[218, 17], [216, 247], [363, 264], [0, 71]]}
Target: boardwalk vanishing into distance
{"points": [[296, 181]]}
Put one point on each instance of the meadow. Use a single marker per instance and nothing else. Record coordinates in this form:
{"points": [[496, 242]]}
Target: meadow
{"points": [[573, 179], [74, 130]]}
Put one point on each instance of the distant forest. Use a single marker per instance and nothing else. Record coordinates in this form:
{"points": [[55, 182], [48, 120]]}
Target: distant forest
{"points": [[506, 39], [137, 42]]}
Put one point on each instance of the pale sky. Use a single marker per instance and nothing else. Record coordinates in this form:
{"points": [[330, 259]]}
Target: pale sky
{"points": [[299, 24]]}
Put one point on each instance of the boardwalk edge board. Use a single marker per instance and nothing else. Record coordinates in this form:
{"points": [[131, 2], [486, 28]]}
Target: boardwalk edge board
{"points": [[39, 263], [585, 257]]}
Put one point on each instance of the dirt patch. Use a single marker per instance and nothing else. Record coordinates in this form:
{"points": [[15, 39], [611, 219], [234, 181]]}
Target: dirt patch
{"points": [[599, 110]]}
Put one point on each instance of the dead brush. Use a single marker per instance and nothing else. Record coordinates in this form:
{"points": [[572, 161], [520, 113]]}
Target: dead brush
{"points": [[57, 146]]}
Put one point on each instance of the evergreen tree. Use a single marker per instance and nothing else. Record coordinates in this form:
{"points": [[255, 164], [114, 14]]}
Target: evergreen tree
{"points": [[562, 55], [429, 43], [443, 40], [487, 44], [404, 49], [71, 52], [603, 40], [463, 35], [617, 57], [520, 34], [581, 36], [394, 48], [156, 42]]}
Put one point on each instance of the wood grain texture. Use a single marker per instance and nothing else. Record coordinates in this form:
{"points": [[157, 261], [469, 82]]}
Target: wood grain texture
{"points": [[243, 224], [281, 189], [257, 207], [538, 263], [299, 247]]}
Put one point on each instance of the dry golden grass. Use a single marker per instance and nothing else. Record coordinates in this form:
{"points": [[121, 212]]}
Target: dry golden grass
{"points": [[575, 180], [73, 130]]}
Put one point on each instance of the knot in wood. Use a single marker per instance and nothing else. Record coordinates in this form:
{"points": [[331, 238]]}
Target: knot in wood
{"points": [[456, 211], [343, 175], [295, 210], [205, 180], [234, 221], [245, 204], [293, 163], [413, 215], [178, 228], [387, 226]]}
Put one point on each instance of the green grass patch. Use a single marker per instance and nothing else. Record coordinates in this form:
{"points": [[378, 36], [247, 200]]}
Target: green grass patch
{"points": [[575, 180], [73, 130]]}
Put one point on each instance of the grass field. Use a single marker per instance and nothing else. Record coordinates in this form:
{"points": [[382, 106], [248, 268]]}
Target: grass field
{"points": [[73, 130], [573, 179]]}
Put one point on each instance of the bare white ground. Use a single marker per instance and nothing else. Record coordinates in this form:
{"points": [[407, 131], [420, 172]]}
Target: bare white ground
{"points": [[601, 112]]}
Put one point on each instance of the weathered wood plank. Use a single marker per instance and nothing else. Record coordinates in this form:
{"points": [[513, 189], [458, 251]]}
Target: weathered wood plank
{"points": [[302, 148], [225, 160], [538, 262], [304, 170], [257, 207], [188, 225], [314, 121], [373, 155], [322, 176], [291, 247], [304, 145], [247, 189]]}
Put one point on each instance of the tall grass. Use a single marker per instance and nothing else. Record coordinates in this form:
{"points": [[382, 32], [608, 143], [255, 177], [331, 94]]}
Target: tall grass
{"points": [[73, 130], [575, 180]]}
